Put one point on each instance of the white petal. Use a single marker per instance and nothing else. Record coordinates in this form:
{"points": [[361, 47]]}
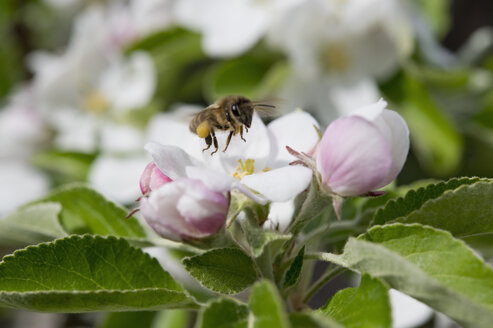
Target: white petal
{"points": [[229, 27], [214, 180], [19, 184], [281, 184], [370, 112], [397, 134], [75, 131], [296, 130], [406, 311], [220, 181], [117, 138], [351, 93], [171, 160], [118, 177], [129, 83], [280, 214]]}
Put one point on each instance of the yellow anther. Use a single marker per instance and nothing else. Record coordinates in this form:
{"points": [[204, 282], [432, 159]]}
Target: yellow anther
{"points": [[203, 129], [96, 103], [246, 168]]}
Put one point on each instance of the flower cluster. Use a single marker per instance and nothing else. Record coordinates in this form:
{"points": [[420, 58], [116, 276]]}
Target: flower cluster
{"points": [[185, 197]]}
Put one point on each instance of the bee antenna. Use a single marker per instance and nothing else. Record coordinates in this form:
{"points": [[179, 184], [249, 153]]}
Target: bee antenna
{"points": [[265, 105]]}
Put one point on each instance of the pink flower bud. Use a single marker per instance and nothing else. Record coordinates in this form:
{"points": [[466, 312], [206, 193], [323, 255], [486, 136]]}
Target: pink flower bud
{"points": [[364, 151], [185, 209], [152, 178]]}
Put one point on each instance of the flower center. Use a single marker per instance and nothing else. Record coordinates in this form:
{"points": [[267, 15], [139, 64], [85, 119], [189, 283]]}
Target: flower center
{"points": [[95, 103], [335, 57], [246, 168]]}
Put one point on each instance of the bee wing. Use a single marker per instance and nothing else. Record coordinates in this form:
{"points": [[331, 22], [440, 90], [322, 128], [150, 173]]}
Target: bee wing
{"points": [[267, 108]]}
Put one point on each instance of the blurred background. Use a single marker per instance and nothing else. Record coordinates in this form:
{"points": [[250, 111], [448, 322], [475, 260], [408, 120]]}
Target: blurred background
{"points": [[84, 85]]}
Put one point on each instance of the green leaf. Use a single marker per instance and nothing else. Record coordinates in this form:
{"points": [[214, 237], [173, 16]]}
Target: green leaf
{"points": [[414, 199], [464, 212], [223, 270], [31, 225], [65, 166], [294, 271], [128, 319], [223, 313], [259, 239], [86, 211], [435, 139], [171, 318], [427, 264], [312, 320], [251, 76], [178, 58], [267, 307], [88, 273], [365, 306]]}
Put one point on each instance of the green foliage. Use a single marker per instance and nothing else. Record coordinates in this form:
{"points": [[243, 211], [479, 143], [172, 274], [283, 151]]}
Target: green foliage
{"points": [[294, 271], [437, 14], [86, 211], [427, 264], [312, 320], [179, 62], [465, 211], [89, 273], [65, 166], [31, 225], [436, 140], [223, 313], [251, 76], [267, 307], [259, 239], [223, 270], [128, 319], [414, 199], [365, 306]]}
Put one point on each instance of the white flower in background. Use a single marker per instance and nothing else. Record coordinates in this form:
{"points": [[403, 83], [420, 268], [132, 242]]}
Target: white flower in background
{"points": [[338, 49], [229, 28], [90, 118], [22, 132], [259, 164]]}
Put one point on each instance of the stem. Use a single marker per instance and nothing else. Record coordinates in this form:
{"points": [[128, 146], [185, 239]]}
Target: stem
{"points": [[264, 264], [328, 276]]}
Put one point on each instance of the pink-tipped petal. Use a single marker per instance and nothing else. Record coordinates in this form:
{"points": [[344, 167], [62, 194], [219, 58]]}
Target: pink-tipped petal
{"points": [[152, 178], [353, 157], [171, 160]]}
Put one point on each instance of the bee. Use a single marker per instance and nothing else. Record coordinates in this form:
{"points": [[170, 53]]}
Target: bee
{"points": [[231, 113]]}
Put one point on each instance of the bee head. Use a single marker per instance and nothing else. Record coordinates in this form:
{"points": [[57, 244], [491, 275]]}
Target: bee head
{"points": [[242, 110]]}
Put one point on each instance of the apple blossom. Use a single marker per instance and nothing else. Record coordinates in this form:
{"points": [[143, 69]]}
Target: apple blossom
{"points": [[185, 209], [258, 167], [363, 151]]}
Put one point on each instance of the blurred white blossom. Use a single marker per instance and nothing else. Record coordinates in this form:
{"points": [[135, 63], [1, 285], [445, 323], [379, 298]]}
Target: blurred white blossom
{"points": [[338, 49]]}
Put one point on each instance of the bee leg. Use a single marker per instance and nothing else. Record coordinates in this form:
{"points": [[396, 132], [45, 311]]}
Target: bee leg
{"points": [[214, 139], [208, 141], [241, 133], [227, 141]]}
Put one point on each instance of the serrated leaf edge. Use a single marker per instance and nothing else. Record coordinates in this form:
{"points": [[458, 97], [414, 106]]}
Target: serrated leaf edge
{"points": [[400, 200]]}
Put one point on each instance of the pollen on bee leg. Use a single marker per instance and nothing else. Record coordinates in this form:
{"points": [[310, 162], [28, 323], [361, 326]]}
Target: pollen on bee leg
{"points": [[203, 129]]}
